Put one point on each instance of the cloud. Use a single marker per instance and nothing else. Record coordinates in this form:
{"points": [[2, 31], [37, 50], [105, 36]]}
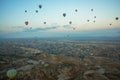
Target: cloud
{"points": [[112, 32], [39, 29], [27, 29], [67, 26]]}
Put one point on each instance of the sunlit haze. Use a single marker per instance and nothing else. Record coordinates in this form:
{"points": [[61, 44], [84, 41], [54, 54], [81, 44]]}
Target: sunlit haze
{"points": [[102, 20]]}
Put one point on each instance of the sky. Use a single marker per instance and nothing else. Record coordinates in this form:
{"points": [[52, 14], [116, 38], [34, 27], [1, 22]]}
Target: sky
{"points": [[13, 17]]}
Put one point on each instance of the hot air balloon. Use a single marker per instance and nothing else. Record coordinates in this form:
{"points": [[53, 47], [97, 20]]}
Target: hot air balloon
{"points": [[76, 10], [26, 22], [110, 24], [94, 21], [11, 73], [116, 18], [25, 11], [88, 20], [64, 14], [36, 11], [44, 22], [91, 9], [94, 16], [73, 28], [70, 22], [40, 6]]}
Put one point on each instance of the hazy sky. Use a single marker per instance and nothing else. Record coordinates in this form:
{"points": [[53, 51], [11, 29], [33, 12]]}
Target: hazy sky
{"points": [[13, 17]]}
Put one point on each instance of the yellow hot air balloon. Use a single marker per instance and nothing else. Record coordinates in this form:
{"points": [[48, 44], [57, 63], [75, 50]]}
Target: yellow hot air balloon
{"points": [[11, 73]]}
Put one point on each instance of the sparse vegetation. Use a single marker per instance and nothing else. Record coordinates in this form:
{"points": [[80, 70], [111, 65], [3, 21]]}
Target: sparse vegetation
{"points": [[60, 60]]}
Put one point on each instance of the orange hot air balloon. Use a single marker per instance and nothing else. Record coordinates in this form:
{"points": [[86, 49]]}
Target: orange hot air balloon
{"points": [[26, 22]]}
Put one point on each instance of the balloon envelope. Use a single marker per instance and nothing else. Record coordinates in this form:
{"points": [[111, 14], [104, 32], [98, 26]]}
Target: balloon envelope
{"points": [[26, 11], [11, 73], [91, 9], [94, 16], [26, 22], [40, 6], [73, 28], [88, 20], [76, 10], [36, 11], [44, 22], [110, 24], [64, 14], [116, 18], [70, 22]]}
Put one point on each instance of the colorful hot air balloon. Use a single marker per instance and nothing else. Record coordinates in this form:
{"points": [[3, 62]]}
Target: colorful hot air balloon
{"points": [[26, 22], [11, 73], [64, 14], [40, 6]]}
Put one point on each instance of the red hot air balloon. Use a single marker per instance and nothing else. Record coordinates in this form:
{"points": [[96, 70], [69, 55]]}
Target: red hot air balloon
{"points": [[26, 22]]}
